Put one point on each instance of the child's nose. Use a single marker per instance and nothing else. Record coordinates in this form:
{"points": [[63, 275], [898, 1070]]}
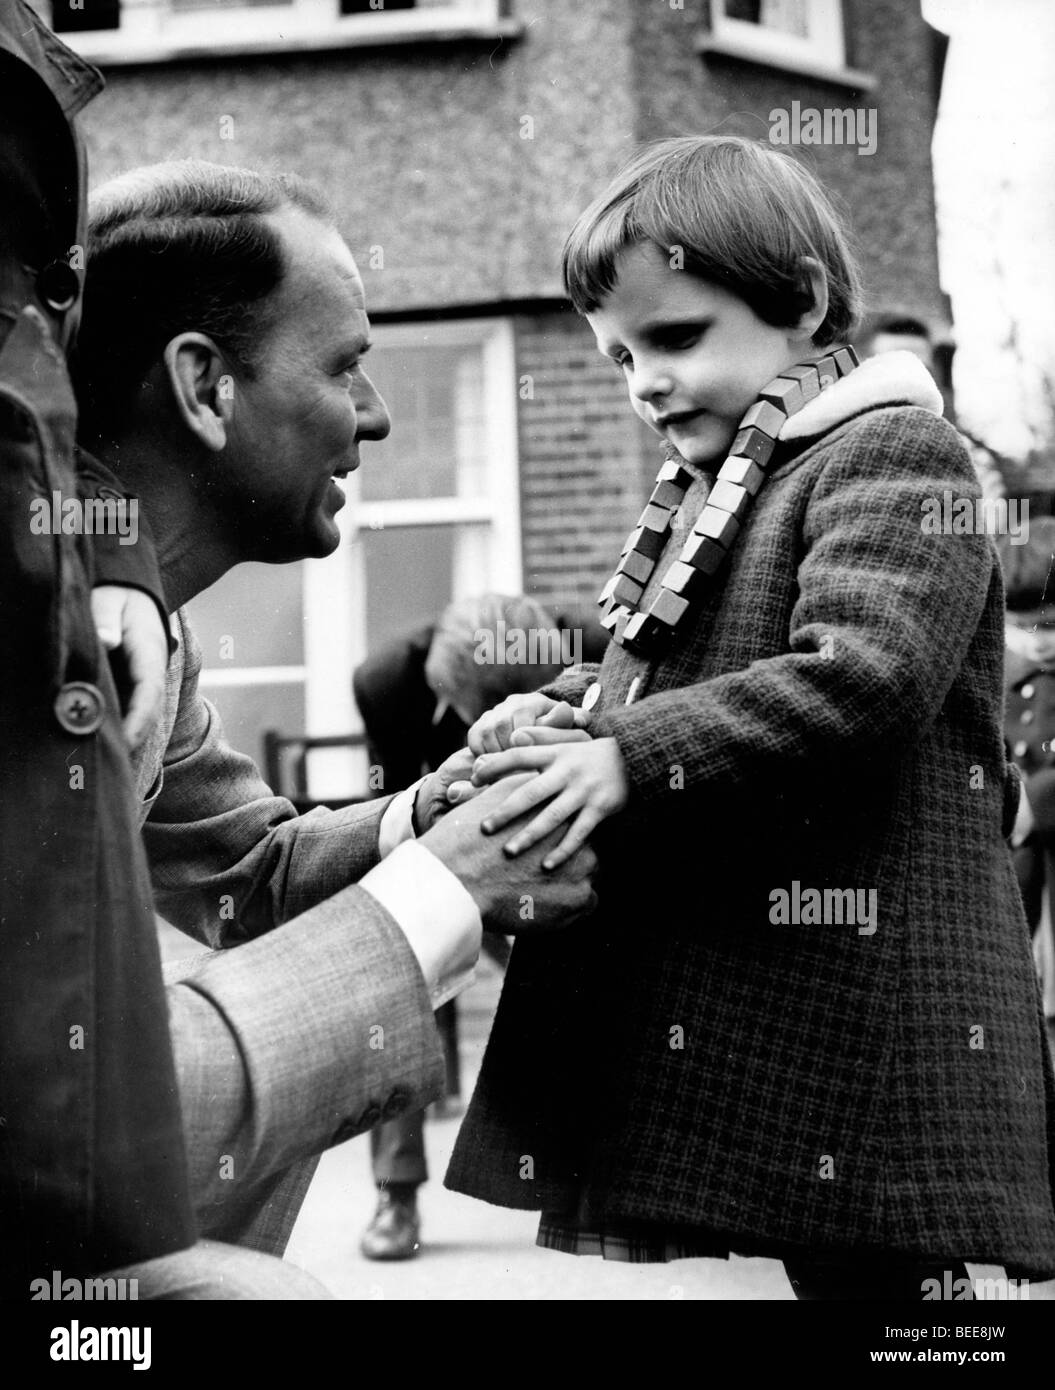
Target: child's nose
{"points": [[650, 382]]}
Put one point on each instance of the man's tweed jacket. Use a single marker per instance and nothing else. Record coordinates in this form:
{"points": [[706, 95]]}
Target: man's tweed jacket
{"points": [[229, 860], [832, 718], [273, 1040]]}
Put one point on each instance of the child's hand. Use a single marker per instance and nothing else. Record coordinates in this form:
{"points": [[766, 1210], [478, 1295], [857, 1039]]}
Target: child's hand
{"points": [[492, 731], [585, 778], [129, 618]]}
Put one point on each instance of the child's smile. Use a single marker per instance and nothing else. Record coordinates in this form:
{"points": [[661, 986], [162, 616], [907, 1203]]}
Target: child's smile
{"points": [[695, 356]]}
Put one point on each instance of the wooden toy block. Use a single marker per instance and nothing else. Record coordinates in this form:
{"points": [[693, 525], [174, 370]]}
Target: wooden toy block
{"points": [[610, 621], [654, 518], [609, 589], [627, 591], [742, 471], [667, 495], [730, 497], [646, 542], [668, 607], [684, 580], [676, 473], [637, 566], [785, 393], [642, 631], [702, 553], [766, 417], [828, 372], [717, 525], [806, 376], [753, 444], [846, 360]]}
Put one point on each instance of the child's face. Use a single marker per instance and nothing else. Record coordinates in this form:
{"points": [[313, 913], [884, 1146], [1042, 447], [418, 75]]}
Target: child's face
{"points": [[695, 356]]}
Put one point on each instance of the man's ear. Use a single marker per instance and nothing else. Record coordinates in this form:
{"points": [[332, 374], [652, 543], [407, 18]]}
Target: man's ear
{"points": [[198, 377], [814, 283]]}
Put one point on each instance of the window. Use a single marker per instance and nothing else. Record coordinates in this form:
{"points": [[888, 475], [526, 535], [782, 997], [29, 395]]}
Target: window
{"points": [[151, 30], [804, 35], [432, 515]]}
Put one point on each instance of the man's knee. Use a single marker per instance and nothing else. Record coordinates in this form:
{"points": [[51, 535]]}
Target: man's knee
{"points": [[210, 1271]]}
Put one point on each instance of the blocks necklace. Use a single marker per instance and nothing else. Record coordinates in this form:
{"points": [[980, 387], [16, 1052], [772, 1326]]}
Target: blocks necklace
{"points": [[738, 483]]}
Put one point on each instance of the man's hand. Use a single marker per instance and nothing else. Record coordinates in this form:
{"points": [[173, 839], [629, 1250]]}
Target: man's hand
{"points": [[432, 801], [585, 778], [129, 618], [513, 894]]}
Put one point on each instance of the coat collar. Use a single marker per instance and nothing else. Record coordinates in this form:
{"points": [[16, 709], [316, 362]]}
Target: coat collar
{"points": [[892, 378]]}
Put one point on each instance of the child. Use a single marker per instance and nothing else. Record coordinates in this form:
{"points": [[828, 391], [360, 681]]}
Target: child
{"points": [[803, 1021]]}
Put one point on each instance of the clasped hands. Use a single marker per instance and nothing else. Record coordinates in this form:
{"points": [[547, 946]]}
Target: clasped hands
{"points": [[575, 779]]}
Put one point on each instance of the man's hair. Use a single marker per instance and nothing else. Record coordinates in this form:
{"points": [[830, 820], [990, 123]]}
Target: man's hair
{"points": [[742, 215], [1028, 577], [173, 248]]}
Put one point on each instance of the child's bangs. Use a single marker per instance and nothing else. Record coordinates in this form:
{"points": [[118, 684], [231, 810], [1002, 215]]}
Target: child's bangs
{"points": [[592, 249]]}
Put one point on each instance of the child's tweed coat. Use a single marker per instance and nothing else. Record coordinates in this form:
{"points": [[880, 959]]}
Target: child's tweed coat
{"points": [[835, 1089]]}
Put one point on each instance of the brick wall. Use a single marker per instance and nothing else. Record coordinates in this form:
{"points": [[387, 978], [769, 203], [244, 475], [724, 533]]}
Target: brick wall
{"points": [[586, 462]]}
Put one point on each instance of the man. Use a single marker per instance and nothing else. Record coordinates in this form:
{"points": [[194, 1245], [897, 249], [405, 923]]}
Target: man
{"points": [[220, 374]]}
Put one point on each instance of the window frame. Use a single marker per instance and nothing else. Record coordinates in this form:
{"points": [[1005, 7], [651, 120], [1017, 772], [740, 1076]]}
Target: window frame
{"points": [[335, 589], [822, 55], [151, 32]]}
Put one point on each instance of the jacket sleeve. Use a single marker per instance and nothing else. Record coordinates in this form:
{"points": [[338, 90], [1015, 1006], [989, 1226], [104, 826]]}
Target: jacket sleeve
{"points": [[229, 860], [898, 608], [131, 562], [296, 1042]]}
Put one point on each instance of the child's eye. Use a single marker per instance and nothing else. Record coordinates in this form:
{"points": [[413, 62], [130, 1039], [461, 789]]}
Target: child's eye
{"points": [[623, 360]]}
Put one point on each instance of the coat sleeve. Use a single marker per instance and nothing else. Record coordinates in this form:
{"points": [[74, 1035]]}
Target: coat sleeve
{"points": [[572, 685], [229, 860], [295, 1042], [883, 620]]}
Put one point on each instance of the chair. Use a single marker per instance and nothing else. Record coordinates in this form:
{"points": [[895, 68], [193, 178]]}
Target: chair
{"points": [[286, 766]]}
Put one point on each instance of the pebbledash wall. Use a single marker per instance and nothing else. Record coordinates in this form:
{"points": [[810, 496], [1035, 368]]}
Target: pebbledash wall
{"points": [[468, 160]]}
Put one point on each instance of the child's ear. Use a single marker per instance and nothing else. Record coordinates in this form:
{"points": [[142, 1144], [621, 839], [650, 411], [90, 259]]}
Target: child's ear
{"points": [[815, 284]]}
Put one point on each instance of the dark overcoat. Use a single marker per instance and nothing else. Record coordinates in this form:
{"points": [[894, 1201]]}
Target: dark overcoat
{"points": [[833, 720]]}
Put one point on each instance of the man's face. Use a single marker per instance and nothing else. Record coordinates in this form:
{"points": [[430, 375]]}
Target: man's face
{"points": [[296, 426]]}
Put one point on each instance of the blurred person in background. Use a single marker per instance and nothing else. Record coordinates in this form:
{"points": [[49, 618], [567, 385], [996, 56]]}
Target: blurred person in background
{"points": [[418, 696]]}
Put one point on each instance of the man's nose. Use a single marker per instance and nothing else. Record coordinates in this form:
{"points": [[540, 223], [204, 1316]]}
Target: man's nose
{"points": [[372, 418]]}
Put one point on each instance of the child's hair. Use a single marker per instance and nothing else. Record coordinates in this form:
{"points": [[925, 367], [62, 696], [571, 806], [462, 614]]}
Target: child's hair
{"points": [[743, 215], [1028, 568]]}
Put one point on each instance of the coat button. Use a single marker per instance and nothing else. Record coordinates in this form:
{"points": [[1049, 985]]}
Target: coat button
{"points": [[1021, 748], [1027, 692], [1027, 716], [591, 697], [58, 286], [79, 708]]}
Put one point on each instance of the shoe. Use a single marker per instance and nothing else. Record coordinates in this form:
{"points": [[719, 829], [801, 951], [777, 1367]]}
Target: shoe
{"points": [[393, 1233]]}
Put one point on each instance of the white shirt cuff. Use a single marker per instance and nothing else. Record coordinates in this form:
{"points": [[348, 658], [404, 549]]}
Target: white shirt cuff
{"points": [[437, 915], [397, 824]]}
